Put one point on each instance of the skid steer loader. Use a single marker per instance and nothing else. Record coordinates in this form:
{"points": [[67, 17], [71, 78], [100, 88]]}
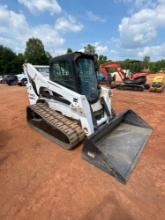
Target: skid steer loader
{"points": [[71, 108], [158, 84]]}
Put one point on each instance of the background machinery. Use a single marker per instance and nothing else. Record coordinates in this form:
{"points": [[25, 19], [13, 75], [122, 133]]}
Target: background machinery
{"points": [[135, 81], [10, 80], [69, 107], [22, 80], [158, 84]]}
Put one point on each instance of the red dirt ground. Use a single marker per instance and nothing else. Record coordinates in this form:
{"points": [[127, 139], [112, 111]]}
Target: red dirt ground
{"points": [[40, 180]]}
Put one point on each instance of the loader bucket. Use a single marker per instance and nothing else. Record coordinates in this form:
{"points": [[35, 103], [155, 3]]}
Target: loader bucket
{"points": [[116, 147]]}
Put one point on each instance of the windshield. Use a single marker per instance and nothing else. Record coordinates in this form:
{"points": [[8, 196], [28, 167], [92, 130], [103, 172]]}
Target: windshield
{"points": [[87, 77]]}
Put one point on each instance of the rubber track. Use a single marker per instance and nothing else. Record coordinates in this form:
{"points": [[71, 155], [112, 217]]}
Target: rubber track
{"points": [[69, 128], [131, 88]]}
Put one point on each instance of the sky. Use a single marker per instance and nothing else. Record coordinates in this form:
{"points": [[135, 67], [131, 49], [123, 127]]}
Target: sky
{"points": [[119, 29]]}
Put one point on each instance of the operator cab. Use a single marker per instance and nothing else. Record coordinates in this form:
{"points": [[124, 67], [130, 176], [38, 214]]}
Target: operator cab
{"points": [[77, 72]]}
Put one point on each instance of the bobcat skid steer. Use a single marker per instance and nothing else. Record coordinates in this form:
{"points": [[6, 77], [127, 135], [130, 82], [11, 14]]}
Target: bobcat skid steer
{"points": [[69, 107]]}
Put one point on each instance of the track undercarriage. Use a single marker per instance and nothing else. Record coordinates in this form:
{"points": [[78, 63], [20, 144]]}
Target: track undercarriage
{"points": [[60, 129]]}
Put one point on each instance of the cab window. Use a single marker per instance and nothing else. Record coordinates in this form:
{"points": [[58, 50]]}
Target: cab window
{"points": [[61, 72]]}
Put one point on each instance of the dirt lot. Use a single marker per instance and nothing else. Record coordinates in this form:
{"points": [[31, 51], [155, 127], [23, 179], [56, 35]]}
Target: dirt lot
{"points": [[40, 180]]}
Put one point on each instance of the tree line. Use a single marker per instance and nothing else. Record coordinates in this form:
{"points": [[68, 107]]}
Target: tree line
{"points": [[145, 65], [132, 65], [35, 53]]}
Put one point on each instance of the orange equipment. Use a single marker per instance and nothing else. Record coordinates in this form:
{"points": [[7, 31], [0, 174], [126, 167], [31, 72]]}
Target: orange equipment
{"points": [[103, 68], [135, 81]]}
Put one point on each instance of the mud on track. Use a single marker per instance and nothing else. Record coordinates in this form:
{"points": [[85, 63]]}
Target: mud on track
{"points": [[40, 180]]}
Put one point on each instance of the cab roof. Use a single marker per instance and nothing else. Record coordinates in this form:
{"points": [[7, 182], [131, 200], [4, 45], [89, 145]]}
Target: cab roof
{"points": [[73, 56]]}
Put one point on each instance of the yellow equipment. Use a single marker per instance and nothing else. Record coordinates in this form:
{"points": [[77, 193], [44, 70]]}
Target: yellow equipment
{"points": [[158, 84]]}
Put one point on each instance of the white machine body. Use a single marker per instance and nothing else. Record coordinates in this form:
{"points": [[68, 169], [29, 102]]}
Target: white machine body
{"points": [[79, 107]]}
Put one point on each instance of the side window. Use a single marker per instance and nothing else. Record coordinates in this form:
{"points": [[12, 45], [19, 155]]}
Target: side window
{"points": [[55, 72], [61, 72], [66, 72]]}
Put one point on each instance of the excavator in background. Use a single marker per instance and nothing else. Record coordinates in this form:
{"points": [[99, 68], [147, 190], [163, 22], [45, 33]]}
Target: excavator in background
{"points": [[135, 81], [158, 84], [70, 107]]}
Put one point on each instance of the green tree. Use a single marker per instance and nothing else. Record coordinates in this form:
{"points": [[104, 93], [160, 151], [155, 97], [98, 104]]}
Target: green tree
{"points": [[132, 65], [101, 59], [35, 52], [69, 50], [161, 65], [146, 61], [7, 60], [18, 62], [48, 56], [154, 67], [91, 49], [125, 64]]}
